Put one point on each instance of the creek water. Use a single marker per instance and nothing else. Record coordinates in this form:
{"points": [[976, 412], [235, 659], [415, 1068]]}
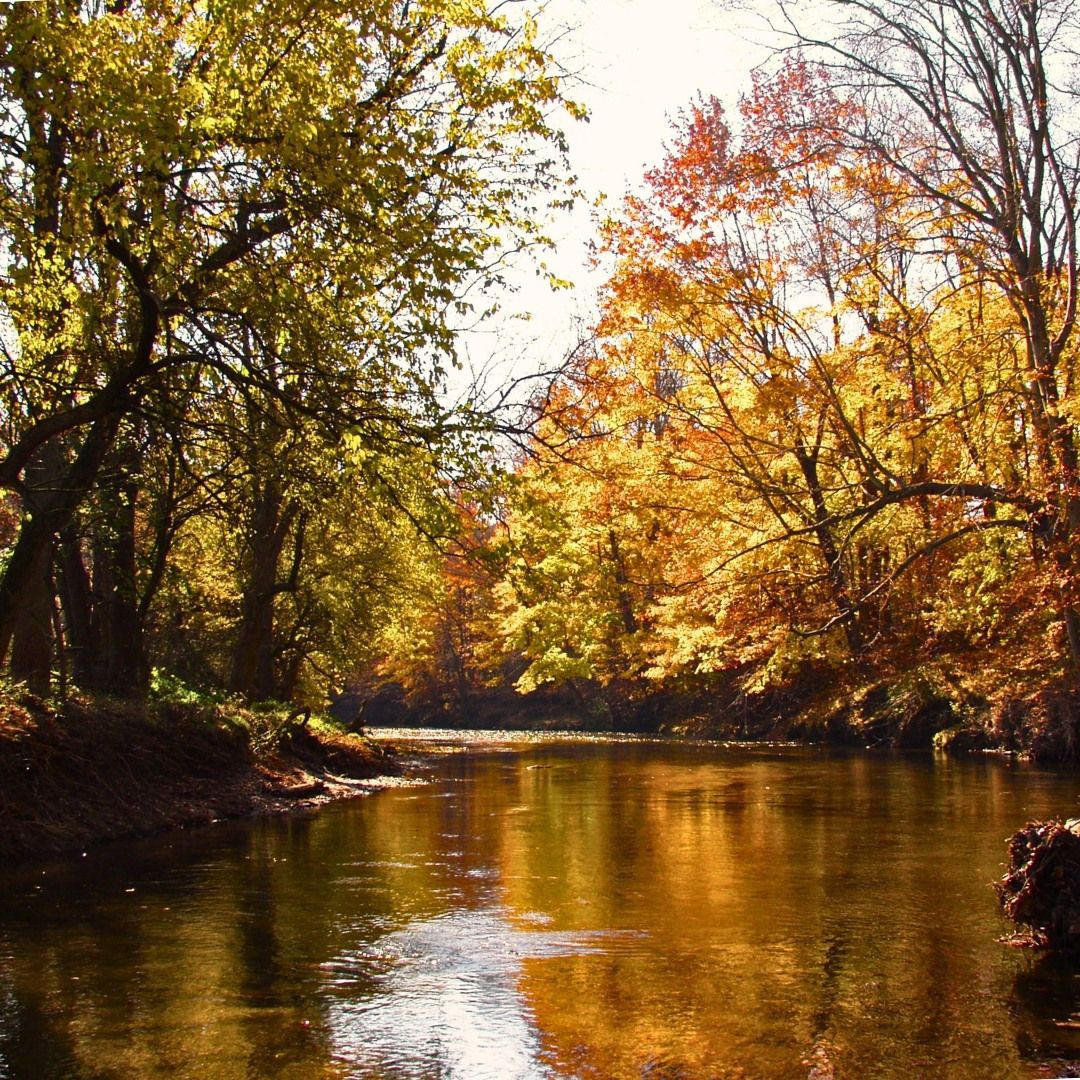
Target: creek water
{"points": [[559, 908]]}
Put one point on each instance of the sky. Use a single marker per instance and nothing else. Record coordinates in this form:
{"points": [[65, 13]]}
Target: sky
{"points": [[639, 62]]}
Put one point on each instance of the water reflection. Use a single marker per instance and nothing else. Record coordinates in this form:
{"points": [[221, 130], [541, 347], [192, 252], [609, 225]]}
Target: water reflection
{"points": [[578, 910], [1046, 1007], [447, 1000]]}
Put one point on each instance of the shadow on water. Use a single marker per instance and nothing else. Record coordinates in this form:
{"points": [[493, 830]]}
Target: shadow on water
{"points": [[1045, 1004], [30, 1043]]}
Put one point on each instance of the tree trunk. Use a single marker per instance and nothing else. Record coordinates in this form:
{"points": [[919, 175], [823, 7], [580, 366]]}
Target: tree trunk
{"points": [[50, 508], [1055, 452], [76, 603], [32, 629], [252, 672], [834, 567], [122, 668]]}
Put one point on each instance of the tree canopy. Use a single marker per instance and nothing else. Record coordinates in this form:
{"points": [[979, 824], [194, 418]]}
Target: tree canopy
{"points": [[236, 239], [826, 413], [828, 410]]}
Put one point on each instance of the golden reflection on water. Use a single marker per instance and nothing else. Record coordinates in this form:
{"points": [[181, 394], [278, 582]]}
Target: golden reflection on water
{"points": [[577, 910], [787, 925]]}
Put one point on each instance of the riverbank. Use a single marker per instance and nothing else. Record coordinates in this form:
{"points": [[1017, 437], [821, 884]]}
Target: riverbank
{"points": [[959, 702], [954, 704], [99, 770]]}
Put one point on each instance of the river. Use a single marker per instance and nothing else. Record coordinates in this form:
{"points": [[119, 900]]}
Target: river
{"points": [[558, 908]]}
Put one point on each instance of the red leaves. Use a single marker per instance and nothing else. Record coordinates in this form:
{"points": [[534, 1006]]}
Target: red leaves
{"points": [[698, 167]]}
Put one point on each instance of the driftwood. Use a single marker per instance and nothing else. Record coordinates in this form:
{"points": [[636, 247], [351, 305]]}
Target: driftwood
{"points": [[1041, 890], [295, 791]]}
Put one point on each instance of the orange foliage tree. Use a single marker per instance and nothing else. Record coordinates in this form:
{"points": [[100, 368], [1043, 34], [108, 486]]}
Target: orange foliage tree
{"points": [[805, 426]]}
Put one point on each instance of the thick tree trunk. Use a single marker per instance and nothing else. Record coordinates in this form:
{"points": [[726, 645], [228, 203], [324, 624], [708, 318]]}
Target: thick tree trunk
{"points": [[1055, 451], [252, 673], [50, 509], [76, 603], [122, 668], [32, 629]]}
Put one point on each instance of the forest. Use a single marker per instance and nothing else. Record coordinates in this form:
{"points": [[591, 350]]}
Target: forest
{"points": [[812, 472]]}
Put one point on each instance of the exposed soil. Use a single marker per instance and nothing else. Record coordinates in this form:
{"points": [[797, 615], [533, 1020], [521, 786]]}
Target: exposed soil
{"points": [[100, 771]]}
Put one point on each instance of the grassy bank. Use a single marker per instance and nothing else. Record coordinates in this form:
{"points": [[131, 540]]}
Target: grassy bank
{"points": [[97, 769]]}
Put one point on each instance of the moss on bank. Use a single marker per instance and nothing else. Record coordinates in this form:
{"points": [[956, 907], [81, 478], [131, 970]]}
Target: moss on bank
{"points": [[99, 769]]}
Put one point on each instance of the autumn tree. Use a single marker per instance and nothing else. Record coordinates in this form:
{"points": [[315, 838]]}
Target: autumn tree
{"points": [[583, 533], [827, 411], [196, 188], [969, 104], [803, 392], [729, 293], [841, 368]]}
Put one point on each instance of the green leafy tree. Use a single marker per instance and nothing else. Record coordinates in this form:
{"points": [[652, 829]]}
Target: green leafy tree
{"points": [[292, 199]]}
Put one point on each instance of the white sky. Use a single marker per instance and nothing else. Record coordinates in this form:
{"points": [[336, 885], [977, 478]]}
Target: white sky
{"points": [[640, 61]]}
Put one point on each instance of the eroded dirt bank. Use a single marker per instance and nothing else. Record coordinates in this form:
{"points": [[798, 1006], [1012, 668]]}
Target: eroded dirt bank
{"points": [[100, 771]]}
